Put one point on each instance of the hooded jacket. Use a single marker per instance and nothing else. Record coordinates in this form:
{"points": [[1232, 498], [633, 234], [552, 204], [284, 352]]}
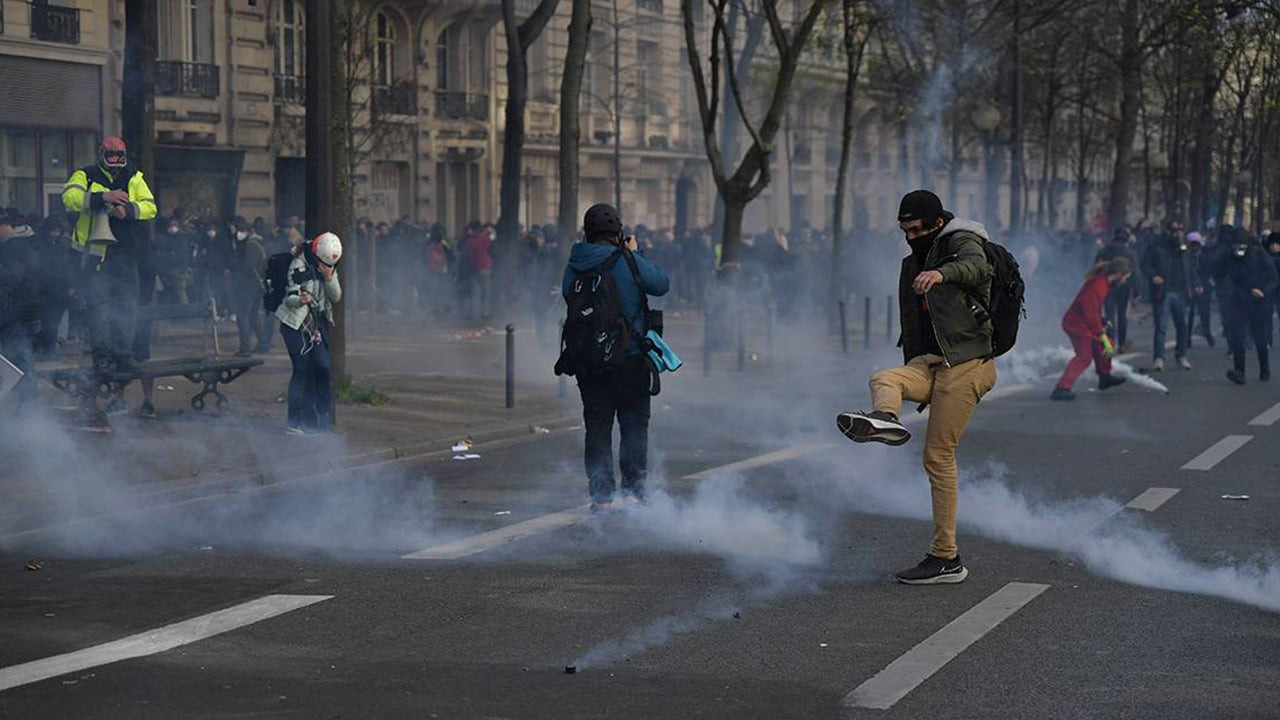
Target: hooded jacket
{"points": [[1244, 274], [653, 281], [1084, 317], [957, 305], [1167, 258]]}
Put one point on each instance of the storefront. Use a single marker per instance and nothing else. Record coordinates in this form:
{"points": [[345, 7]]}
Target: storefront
{"points": [[49, 125]]}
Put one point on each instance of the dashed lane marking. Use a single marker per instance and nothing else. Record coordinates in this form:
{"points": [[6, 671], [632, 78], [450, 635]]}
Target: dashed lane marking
{"points": [[158, 640], [776, 456], [501, 536], [1151, 499], [1268, 418], [1217, 453], [920, 662]]}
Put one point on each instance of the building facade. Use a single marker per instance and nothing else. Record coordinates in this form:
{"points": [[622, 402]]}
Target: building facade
{"points": [[428, 86]]}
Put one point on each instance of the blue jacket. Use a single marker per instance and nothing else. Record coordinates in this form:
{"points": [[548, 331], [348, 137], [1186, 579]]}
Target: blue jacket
{"points": [[653, 281]]}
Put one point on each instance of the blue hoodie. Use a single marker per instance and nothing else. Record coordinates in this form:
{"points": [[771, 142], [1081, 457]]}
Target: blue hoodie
{"points": [[653, 280]]}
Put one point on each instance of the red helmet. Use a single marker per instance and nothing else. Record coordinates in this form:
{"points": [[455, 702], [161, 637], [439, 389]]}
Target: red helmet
{"points": [[111, 153]]}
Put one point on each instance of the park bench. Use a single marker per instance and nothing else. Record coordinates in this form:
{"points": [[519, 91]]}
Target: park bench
{"points": [[88, 385]]}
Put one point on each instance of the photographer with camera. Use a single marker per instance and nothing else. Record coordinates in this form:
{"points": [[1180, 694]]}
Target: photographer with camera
{"points": [[306, 319], [603, 344]]}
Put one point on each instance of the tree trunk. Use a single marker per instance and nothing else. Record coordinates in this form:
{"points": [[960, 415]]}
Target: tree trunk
{"points": [[570, 124], [617, 109], [512, 150], [1016, 170], [1202, 149], [853, 62], [1130, 77], [328, 175], [138, 107]]}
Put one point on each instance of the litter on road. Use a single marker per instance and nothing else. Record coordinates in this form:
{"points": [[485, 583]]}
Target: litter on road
{"points": [[1235, 497], [468, 456]]}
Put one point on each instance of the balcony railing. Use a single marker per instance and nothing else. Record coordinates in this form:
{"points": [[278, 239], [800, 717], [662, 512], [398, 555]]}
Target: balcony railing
{"points": [[291, 89], [175, 77], [54, 23], [653, 6], [451, 105], [398, 99]]}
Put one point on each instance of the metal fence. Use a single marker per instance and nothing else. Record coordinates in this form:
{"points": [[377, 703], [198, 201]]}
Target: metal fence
{"points": [[175, 77]]}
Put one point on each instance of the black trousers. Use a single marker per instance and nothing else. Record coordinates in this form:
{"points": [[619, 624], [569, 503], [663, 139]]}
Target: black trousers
{"points": [[1252, 317], [1117, 311], [625, 394], [1201, 305]]}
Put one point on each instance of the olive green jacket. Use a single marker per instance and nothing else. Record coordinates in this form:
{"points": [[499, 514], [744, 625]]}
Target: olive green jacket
{"points": [[958, 304]]}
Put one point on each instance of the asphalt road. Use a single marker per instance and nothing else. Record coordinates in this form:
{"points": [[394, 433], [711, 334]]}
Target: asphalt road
{"points": [[756, 592]]}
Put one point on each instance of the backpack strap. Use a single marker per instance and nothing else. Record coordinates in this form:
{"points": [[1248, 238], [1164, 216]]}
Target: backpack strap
{"points": [[644, 297]]}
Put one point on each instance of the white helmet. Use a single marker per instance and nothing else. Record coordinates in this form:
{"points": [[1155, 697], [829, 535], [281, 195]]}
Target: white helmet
{"points": [[327, 247]]}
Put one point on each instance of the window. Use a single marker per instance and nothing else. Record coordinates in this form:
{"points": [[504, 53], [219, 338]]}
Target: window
{"points": [[384, 49], [649, 60], [186, 31], [291, 52], [442, 60]]}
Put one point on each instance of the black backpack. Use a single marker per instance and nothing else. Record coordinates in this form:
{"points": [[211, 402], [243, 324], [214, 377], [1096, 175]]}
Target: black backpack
{"points": [[596, 336], [1007, 307], [275, 279]]}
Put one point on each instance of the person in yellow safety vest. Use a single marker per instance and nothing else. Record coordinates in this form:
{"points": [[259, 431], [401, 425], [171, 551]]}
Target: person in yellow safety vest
{"points": [[115, 187]]}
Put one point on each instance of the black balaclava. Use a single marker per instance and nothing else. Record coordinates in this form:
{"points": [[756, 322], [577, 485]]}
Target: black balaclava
{"points": [[926, 206]]}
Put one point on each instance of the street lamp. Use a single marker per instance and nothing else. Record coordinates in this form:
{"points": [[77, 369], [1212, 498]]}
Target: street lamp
{"points": [[986, 118]]}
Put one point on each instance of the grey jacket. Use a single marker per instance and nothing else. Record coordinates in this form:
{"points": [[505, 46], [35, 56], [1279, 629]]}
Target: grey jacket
{"points": [[324, 295]]}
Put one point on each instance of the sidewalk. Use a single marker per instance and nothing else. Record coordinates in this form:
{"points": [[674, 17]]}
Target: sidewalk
{"points": [[442, 386]]}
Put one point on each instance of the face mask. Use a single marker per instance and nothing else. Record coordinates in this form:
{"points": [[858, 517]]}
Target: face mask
{"points": [[173, 229], [242, 235], [211, 233], [1182, 246], [1239, 250]]}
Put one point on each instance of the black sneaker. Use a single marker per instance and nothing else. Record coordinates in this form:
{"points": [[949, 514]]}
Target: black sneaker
{"points": [[875, 426], [147, 411], [934, 571], [1106, 382], [1061, 393], [1264, 376], [1235, 376]]}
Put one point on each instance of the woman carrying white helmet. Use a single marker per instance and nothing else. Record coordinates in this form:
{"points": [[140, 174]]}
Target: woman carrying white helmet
{"points": [[306, 319]]}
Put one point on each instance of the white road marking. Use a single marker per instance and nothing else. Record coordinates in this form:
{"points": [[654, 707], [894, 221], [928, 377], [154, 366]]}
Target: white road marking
{"points": [[1268, 418], [920, 662], [1219, 452], [501, 536], [158, 640], [1151, 499], [776, 456]]}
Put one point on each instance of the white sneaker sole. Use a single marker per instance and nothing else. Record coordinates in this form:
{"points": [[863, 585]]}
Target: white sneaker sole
{"points": [[946, 579], [860, 429]]}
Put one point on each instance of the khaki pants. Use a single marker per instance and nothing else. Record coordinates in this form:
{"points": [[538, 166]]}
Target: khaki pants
{"points": [[952, 394]]}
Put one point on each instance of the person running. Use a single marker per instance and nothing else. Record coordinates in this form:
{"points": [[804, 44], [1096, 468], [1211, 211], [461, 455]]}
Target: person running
{"points": [[1083, 324], [947, 345]]}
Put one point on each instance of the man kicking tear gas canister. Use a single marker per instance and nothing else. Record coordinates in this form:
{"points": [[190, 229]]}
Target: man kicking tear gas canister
{"points": [[943, 289]]}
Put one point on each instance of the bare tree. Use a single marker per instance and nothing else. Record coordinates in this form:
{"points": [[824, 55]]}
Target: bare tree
{"points": [[520, 37], [856, 31], [570, 122], [752, 175]]}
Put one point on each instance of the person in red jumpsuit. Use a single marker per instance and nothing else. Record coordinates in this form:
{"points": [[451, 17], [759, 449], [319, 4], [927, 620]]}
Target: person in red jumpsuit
{"points": [[1083, 324]]}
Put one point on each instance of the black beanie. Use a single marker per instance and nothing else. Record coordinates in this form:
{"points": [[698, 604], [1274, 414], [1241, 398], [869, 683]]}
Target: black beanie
{"points": [[920, 205]]}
